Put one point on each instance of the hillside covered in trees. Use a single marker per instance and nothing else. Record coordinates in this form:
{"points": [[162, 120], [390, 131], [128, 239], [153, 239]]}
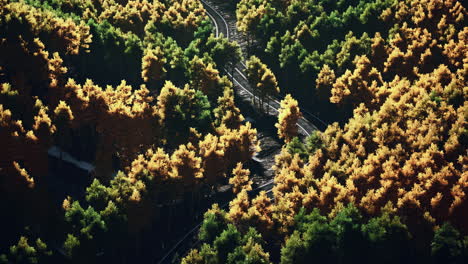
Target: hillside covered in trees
{"points": [[389, 183], [114, 120], [120, 124]]}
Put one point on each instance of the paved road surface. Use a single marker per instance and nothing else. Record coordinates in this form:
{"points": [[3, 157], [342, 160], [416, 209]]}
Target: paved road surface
{"points": [[240, 80], [309, 122]]}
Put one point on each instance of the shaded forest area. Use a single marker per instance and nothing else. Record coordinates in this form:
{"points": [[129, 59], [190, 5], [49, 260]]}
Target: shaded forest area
{"points": [[300, 39], [118, 128], [129, 88], [388, 183]]}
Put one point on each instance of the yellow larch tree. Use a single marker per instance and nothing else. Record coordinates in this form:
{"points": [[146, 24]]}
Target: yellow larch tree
{"points": [[205, 78], [211, 151], [240, 179], [227, 113], [288, 115], [238, 210], [324, 82], [186, 165], [260, 214], [152, 66], [63, 121]]}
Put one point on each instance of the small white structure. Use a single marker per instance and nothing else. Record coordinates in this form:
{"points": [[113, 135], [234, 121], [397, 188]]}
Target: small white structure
{"points": [[59, 154]]}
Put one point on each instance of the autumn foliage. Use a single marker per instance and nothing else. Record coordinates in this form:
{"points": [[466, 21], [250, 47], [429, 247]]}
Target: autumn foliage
{"points": [[119, 126], [102, 107], [393, 176], [406, 143], [288, 115]]}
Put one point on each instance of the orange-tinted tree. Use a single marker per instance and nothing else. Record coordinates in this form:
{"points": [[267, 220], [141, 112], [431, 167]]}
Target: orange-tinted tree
{"points": [[240, 179], [288, 115]]}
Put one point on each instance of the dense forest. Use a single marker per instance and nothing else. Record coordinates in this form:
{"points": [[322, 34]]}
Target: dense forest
{"points": [[121, 125], [389, 184], [131, 88]]}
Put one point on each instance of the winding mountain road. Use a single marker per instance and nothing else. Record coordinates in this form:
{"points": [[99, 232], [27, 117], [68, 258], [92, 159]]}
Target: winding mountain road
{"points": [[241, 83], [305, 124]]}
